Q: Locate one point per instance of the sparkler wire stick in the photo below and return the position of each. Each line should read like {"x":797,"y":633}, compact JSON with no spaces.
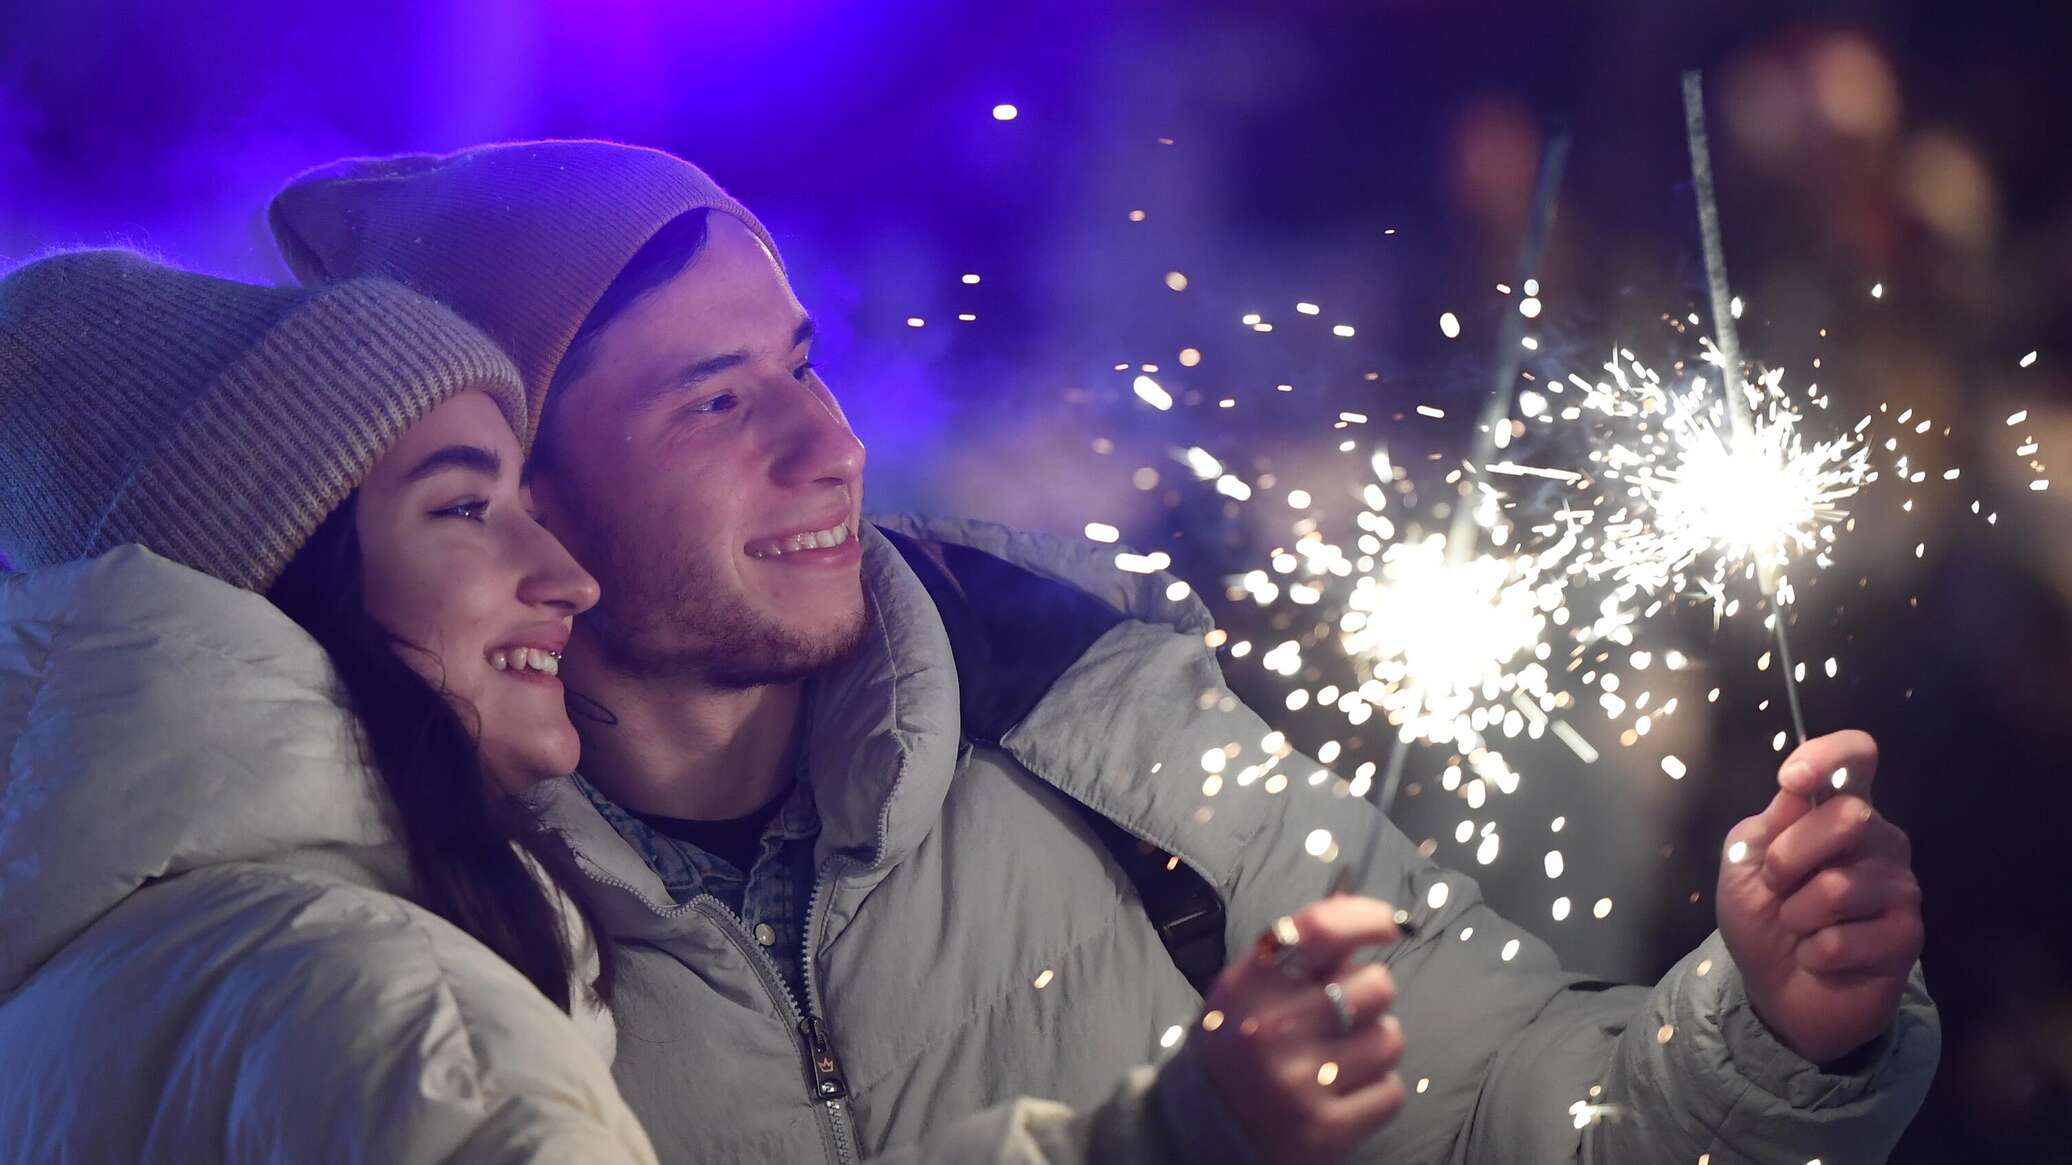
{"x":1462,"y":537}
{"x":1730,"y":349}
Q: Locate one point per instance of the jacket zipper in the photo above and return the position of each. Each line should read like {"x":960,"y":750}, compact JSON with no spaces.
{"x":829,"y":1084}
{"x":809,"y":1033}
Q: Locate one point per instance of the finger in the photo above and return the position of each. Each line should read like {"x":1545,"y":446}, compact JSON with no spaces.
{"x":1850,"y":893}
{"x":1886,"y":945}
{"x":1750,"y":838}
{"x":1333,"y":928}
{"x":1846,"y":760}
{"x":1363,"y":1111}
{"x":1366,"y":1055}
{"x":1842,"y":828}
{"x":1304,"y":1011}
{"x":1327,"y":932}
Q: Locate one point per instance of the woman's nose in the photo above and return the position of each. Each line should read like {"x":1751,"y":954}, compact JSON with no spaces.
{"x":552,"y":577}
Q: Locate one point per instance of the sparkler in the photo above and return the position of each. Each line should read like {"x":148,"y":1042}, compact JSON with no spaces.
{"x":1456,"y":601}
{"x":1744,"y":447}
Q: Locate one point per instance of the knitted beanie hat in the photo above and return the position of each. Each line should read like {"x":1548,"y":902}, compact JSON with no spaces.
{"x":215,"y":422}
{"x":521,"y":239}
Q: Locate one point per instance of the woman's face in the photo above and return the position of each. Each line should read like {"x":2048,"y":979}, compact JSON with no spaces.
{"x":455,"y":566}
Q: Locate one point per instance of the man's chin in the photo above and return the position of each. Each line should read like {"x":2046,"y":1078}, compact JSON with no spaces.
{"x":786,"y":652}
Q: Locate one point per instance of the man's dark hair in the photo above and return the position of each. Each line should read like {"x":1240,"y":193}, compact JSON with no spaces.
{"x":457,"y":828}
{"x":662,"y":258}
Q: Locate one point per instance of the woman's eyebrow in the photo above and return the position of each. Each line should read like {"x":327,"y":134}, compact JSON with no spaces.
{"x":473,"y":457}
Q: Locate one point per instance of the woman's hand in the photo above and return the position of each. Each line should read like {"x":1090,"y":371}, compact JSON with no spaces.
{"x":1297,"y":1038}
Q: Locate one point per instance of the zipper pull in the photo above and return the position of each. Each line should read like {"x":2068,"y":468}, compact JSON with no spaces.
{"x":820,"y":1053}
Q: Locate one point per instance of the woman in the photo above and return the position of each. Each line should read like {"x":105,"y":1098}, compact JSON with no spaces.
{"x":262,"y":891}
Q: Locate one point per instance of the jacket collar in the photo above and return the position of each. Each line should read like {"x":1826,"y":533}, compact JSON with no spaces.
{"x":883,"y":749}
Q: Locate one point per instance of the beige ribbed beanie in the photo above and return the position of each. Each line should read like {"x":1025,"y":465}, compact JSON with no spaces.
{"x":521,"y":239}
{"x":215,"y":422}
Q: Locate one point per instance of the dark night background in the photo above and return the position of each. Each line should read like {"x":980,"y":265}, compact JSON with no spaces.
{"x":1374,"y":159}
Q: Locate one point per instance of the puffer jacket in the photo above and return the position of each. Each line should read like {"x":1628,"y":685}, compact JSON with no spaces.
{"x":207,"y":952}
{"x":983,"y":983}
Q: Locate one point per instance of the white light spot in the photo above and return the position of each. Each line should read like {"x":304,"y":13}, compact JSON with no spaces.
{"x":1317,"y":843}
{"x":1436,"y":896}
{"x":1554,"y":863}
{"x":916,"y":322}
{"x":1560,"y":909}
{"x":1343,"y":331}
{"x":1877,"y":291}
{"x":1152,"y":393}
{"x":1737,"y":852}
{"x":1044,"y":979}
{"x":1529,"y":307}
{"x":1005,"y":112}
{"x":1171,"y":1037}
{"x":1102,"y":532}
{"x":970,"y":279}
{"x":2017,"y":418}
{"x":1510,"y":950}
{"x":1449,"y":326}
{"x":1603,"y":907}
{"x":1308,"y":309}
{"x":1298,"y":499}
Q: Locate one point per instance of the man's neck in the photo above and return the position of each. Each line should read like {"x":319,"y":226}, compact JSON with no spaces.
{"x":682,"y":748}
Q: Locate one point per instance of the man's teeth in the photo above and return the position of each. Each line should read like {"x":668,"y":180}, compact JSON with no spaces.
{"x":523,"y":658}
{"x":816,"y":540}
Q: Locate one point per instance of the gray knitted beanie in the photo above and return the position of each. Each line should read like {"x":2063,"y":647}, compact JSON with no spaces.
{"x":215,"y":422}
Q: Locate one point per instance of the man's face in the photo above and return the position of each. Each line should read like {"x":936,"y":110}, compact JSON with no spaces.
{"x":699,"y":468}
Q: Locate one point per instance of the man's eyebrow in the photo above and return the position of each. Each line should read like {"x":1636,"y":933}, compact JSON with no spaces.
{"x":472,"y":457}
{"x":692,"y":374}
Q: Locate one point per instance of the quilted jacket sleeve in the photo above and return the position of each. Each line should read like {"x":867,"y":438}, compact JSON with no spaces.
{"x":1513,"y":1060}
{"x":247,"y":1013}
{"x":1509,"y":1058}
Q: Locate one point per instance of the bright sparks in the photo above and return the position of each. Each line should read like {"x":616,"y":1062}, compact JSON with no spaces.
{"x":1702,"y":506}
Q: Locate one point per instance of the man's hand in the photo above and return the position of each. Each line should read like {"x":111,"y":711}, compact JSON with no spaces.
{"x":1309,"y":1079}
{"x":1818,"y":904}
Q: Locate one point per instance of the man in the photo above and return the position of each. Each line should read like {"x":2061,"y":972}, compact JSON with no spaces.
{"x":862,"y":798}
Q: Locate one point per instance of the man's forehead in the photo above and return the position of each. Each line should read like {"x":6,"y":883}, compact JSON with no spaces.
{"x":733,"y":297}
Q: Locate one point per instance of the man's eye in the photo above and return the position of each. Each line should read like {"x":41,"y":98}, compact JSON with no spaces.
{"x":722,"y":402}
{"x":805,"y":370}
{"x":475,"y":510}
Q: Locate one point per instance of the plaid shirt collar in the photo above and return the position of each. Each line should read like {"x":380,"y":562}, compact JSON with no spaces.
{"x":687,"y":870}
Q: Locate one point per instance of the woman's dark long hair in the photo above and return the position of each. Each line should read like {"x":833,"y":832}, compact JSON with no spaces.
{"x":457,"y":827}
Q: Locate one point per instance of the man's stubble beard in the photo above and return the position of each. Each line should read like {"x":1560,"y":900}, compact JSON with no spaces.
{"x":666,"y":615}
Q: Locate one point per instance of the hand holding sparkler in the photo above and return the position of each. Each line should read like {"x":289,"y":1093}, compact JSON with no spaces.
{"x":1297,"y":1037}
{"x":1818,"y":904}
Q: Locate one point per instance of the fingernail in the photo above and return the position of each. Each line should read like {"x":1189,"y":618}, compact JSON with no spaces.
{"x":1797,"y":772}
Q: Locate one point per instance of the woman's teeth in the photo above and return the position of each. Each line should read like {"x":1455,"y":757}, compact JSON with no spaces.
{"x":815,"y":540}
{"x":524,"y":658}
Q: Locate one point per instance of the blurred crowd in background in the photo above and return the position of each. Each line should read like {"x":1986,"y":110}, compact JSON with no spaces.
{"x":1001,"y":213}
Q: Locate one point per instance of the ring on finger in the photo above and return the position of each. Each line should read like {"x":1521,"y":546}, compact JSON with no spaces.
{"x":1279,"y":946}
{"x":1341,"y":1008}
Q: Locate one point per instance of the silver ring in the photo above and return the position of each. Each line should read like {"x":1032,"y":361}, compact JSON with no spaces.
{"x":1335,"y":996}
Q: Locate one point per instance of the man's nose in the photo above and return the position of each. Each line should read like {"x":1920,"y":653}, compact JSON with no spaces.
{"x":816,"y":443}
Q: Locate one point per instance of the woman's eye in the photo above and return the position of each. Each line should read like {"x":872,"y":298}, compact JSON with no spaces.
{"x":474,"y":511}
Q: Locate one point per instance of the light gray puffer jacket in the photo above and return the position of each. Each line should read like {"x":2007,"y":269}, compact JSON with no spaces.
{"x":207,"y":947}
{"x":984,"y":983}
